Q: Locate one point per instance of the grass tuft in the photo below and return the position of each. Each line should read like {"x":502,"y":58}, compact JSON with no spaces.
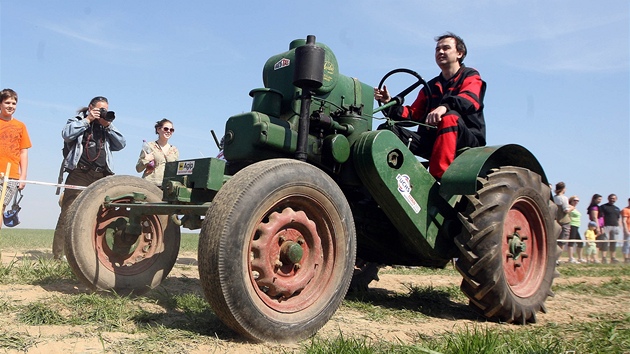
{"x":16,"y":342}
{"x":38,"y":271}
{"x":39,"y":314}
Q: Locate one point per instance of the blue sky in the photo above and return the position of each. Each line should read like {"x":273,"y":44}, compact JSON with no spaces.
{"x":557,"y":72}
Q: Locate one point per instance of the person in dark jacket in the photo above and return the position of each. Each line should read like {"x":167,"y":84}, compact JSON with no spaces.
{"x":92,"y":139}
{"x":455,"y":108}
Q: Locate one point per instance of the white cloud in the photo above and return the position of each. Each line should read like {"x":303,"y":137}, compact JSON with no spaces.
{"x":96,"y":37}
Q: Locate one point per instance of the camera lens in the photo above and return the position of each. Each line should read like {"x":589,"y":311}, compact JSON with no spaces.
{"x":110,"y":116}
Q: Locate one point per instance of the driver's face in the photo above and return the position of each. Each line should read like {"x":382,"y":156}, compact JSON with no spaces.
{"x":446,"y":52}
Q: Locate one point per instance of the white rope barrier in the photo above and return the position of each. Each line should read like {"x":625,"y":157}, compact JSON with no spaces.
{"x":596,"y":241}
{"x":59,"y":185}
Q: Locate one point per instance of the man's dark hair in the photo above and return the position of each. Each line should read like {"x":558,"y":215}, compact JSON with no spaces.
{"x":459,"y":44}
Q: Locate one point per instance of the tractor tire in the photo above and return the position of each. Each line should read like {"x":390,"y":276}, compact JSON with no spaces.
{"x":102,"y":256}
{"x":277,"y":251}
{"x":508,"y":245}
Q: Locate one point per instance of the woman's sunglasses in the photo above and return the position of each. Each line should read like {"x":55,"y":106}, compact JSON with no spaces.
{"x":166,"y":130}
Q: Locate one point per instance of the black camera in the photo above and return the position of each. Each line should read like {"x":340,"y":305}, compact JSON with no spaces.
{"x":107,"y":115}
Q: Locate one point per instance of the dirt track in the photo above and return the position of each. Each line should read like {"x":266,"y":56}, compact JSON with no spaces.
{"x":451,"y":314}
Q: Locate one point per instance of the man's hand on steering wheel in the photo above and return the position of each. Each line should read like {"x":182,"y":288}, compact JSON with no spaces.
{"x":382,"y":95}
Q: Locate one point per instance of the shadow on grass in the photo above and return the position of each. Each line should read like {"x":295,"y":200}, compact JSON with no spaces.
{"x":186,"y":261}
{"x":179,"y":304}
{"x":185,"y":309}
{"x":430,"y":301}
{"x":28,"y":255}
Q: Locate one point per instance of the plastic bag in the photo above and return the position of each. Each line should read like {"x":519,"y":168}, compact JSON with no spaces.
{"x":10,"y":217}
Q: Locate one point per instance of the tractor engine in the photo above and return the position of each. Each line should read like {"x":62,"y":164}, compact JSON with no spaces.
{"x":304,"y":78}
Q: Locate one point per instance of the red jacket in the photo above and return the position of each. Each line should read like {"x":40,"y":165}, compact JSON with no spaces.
{"x":463,"y":93}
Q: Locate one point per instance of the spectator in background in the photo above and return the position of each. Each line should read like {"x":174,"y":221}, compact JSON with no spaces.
{"x":574,"y":234}
{"x":625,"y":221}
{"x":590,"y":236}
{"x":92,"y":139}
{"x":595,"y":216}
{"x":14,"y":145}
{"x":156,"y":154}
{"x":564,"y":208}
{"x":612,"y":223}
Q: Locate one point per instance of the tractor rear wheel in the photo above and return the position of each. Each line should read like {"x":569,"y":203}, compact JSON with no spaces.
{"x":277,"y":251}
{"x":99,"y":251}
{"x":508,"y":245}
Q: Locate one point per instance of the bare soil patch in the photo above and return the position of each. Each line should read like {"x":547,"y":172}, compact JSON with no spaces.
{"x":565,"y":307}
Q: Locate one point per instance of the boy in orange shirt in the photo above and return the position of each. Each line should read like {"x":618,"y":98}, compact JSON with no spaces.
{"x":14,"y":142}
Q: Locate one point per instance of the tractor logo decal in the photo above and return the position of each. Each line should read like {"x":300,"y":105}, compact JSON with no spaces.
{"x":185,"y":167}
{"x":329,"y":71}
{"x":282,"y":63}
{"x":404,"y":187}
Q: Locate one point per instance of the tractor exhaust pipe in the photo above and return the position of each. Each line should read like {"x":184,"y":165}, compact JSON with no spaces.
{"x":308,"y":75}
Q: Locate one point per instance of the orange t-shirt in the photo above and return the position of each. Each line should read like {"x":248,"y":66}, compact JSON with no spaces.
{"x":13,"y":138}
{"x":625,"y":213}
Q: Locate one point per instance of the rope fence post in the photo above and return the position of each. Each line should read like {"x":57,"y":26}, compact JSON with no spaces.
{"x":5,"y":182}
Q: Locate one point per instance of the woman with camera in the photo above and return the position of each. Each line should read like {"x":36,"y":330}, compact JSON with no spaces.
{"x":89,"y":139}
{"x":156,"y":154}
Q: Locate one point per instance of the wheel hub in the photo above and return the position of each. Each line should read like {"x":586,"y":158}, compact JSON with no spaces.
{"x":285,"y":255}
{"x":524,"y":248}
{"x":121,"y":252}
{"x":517,"y":246}
{"x":291,"y":252}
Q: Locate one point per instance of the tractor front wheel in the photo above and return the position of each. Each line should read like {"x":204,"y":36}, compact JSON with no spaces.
{"x":508,"y":245}
{"x":277,"y":250}
{"x":102,"y":255}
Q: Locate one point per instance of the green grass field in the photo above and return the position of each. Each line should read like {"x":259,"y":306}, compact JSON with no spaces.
{"x":37,"y":239}
{"x":605,"y":333}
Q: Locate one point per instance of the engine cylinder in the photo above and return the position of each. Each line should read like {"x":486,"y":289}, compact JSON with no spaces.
{"x":309,"y":68}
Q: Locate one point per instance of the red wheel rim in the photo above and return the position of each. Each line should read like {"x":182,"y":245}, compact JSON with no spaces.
{"x":290,"y":285}
{"x":123,"y":254}
{"x":524,"y":273}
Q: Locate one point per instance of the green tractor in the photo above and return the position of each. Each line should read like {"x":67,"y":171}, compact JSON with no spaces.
{"x":308,"y":196}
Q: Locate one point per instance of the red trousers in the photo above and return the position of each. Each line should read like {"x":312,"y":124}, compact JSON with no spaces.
{"x":440,"y":145}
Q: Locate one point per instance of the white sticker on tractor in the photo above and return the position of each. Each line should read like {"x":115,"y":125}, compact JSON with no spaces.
{"x":185,"y":167}
{"x":282,"y":63}
{"x":404,"y":187}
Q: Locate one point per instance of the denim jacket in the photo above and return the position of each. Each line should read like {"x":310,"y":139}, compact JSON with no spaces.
{"x":73,"y":132}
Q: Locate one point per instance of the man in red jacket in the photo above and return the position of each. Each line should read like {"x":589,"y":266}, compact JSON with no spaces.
{"x":455,"y":108}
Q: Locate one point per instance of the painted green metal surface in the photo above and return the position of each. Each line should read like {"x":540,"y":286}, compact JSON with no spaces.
{"x":270,"y":129}
{"x":405,"y":190}
{"x":278,"y":73}
{"x":256,"y":136}
{"x":461,"y":176}
{"x":193,"y":181}
{"x":336,"y":146}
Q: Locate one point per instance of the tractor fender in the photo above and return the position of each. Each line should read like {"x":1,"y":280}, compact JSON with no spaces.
{"x":461,"y":176}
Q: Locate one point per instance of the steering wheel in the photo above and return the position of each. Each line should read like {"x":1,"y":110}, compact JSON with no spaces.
{"x":400,"y":98}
